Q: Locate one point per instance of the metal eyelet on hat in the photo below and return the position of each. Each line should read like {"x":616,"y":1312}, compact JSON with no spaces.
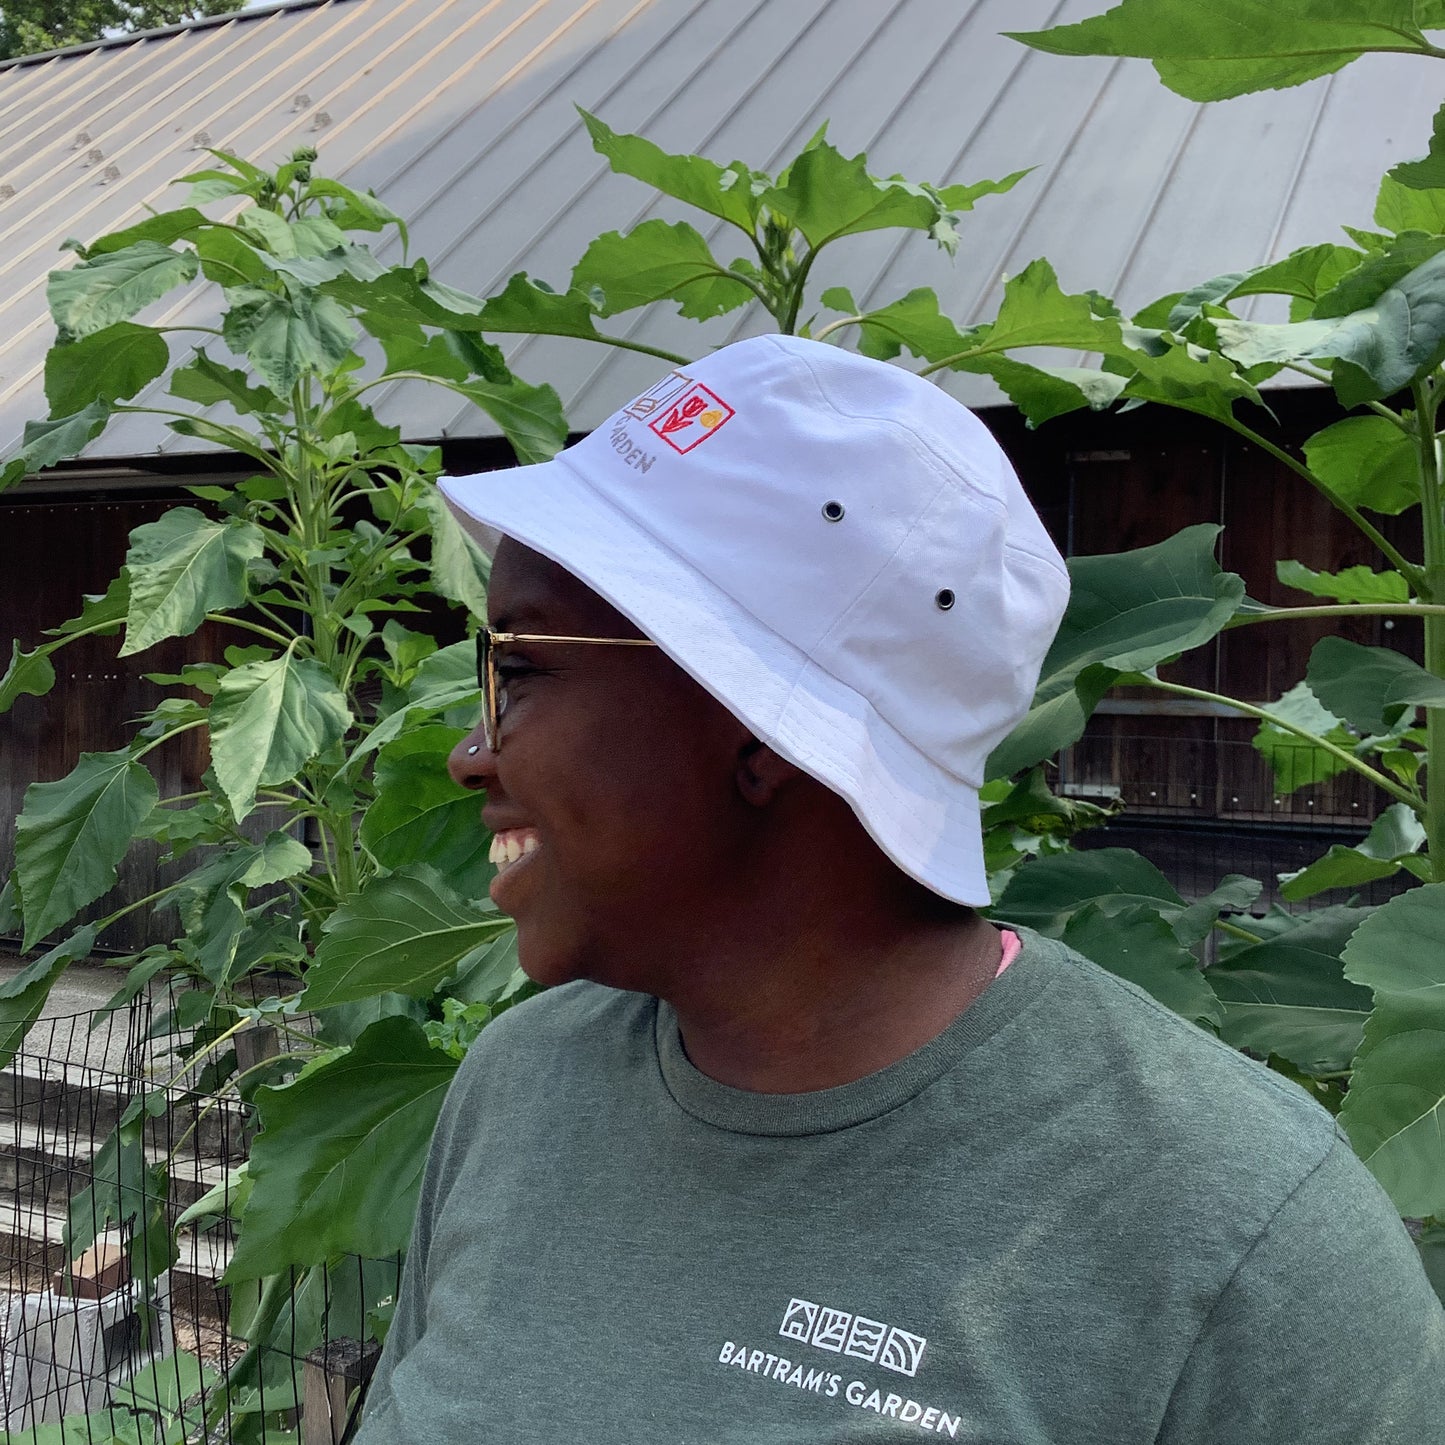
{"x":945,"y":598}
{"x":833,"y":511}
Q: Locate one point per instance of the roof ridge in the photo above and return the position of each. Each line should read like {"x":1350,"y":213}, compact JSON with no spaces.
{"x":205,"y":22}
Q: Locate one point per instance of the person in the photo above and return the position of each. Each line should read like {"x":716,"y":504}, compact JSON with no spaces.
{"x":796,"y":1146}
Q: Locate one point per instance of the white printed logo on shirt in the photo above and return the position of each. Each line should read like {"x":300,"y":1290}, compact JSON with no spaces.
{"x":843,"y":1333}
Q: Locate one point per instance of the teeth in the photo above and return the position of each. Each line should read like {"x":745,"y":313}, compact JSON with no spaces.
{"x":510,"y":846}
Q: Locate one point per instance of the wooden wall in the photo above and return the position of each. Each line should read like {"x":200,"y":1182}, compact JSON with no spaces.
{"x":57,"y":548}
{"x":1102,"y":484}
{"x":1110,"y":483}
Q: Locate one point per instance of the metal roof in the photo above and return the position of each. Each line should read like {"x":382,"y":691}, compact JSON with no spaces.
{"x":460,"y":114}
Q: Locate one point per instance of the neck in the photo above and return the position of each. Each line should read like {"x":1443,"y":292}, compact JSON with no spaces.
{"x":830,"y":988}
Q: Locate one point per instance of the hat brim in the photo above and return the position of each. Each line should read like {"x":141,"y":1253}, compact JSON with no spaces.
{"x":924,"y":818}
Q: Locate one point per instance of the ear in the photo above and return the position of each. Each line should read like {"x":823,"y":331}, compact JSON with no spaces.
{"x":762,"y":774}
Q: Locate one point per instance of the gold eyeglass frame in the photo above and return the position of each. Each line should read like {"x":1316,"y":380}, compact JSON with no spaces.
{"x":487,"y":641}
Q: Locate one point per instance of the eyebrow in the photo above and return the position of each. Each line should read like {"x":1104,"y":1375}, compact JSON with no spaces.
{"x":525,"y":618}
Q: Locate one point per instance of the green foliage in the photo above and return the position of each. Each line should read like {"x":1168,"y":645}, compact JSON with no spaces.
{"x":1231,"y":47}
{"x":1397,"y":1091}
{"x":325,"y":707}
{"x":30,"y":26}
{"x":1287,"y":996}
{"x":328,"y":1181}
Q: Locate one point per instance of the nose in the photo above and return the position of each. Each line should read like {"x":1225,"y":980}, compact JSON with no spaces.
{"x":472,"y":764}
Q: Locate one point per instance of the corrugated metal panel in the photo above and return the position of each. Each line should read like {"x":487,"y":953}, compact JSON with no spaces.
{"x":459,"y":113}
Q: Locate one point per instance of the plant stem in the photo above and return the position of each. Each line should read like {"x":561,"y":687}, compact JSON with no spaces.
{"x":1344,"y":609}
{"x":230,"y":621}
{"x":139,"y":902}
{"x":1413,"y":574}
{"x":833,"y":326}
{"x":1427,"y":402}
{"x":1410,"y":798}
{"x":151,"y":746}
{"x":1235,"y":931}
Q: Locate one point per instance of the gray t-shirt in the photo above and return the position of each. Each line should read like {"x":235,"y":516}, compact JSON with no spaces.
{"x":1070,"y":1219}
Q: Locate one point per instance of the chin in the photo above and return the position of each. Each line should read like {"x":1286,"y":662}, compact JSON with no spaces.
{"x":550,"y":962}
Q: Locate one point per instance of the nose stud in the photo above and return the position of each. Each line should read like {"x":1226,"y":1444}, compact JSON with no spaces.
{"x":472,"y":751}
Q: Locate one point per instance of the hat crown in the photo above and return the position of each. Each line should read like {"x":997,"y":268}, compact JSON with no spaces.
{"x":862,"y":515}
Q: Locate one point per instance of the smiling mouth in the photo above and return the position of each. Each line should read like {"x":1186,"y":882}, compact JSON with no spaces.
{"x":511,"y":846}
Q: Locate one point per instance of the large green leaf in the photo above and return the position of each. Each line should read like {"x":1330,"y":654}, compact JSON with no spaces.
{"x":405,"y":933}
{"x":1369,"y":687}
{"x":1428,"y":173}
{"x":1128,"y":612}
{"x":287,"y":336}
{"x":1352,"y":584}
{"x":1394,"y":839}
{"x":1396,"y":1103}
{"x":1380,"y":268}
{"x":268,"y":719}
{"x":459,"y":567}
{"x":113,"y":285}
{"x":328,"y":1181}
{"x":658,"y":261}
{"x":1036,"y":311}
{"x":1368,"y":461}
{"x":216,"y":895}
{"x":420,"y":815}
{"x":1232,"y":47}
{"x":1305,"y":274}
{"x":168,"y":227}
{"x":72,"y":834}
{"x":29,"y":674}
{"x":524,"y":305}
{"x":1044,"y":392}
{"x":1299,"y":762}
{"x":1399,"y":950}
{"x":1191,"y":379}
{"x":445,"y":679}
{"x":1394,"y":1111}
{"x":60,"y":438}
{"x":530,"y":416}
{"x":101,"y":613}
{"x":207,"y":382}
{"x":1288,"y":994}
{"x":107,"y":365}
{"x":913,"y":321}
{"x":826,"y":195}
{"x":182,"y":567}
{"x":1138,"y":945}
{"x":1045,"y":894}
{"x":722,"y":191}
{"x":1377,"y":350}
{"x":1406,"y":208}
{"x":23,"y":997}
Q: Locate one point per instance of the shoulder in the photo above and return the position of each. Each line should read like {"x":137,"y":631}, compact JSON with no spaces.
{"x":1183,"y":1111}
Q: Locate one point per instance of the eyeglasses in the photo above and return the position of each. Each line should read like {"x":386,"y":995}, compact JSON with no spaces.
{"x":494,"y":698}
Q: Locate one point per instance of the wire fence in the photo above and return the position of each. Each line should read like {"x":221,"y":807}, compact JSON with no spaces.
{"x":116,"y":1200}
{"x":1201,"y":807}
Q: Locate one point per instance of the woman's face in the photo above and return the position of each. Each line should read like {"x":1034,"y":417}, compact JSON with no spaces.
{"x":614,"y":782}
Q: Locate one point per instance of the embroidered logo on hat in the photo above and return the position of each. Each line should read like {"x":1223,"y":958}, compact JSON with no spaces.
{"x":683,"y":412}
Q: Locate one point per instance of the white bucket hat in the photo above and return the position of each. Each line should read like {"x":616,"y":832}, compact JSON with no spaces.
{"x":835,"y":549}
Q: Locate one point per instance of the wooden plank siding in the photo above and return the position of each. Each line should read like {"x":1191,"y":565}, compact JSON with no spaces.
{"x":1131,"y":480}
{"x":55,"y":549}
{"x":1101,"y":483}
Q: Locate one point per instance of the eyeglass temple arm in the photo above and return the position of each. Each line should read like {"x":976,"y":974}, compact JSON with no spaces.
{"x":552,"y":637}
